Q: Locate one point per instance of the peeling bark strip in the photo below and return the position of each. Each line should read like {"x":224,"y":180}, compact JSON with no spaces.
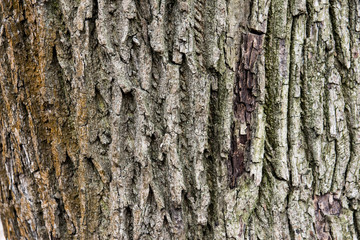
{"x":244,"y":103}
{"x":325,"y":205}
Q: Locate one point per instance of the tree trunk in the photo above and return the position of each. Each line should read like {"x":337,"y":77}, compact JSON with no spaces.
{"x":180,"y":119}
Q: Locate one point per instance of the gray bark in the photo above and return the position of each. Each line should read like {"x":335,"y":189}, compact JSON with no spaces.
{"x":180,"y":119}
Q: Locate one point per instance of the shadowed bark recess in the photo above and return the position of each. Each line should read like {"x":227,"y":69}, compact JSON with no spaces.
{"x":180,"y":119}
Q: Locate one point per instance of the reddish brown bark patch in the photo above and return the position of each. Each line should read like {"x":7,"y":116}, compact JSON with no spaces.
{"x":244,"y":104}
{"x":325,"y":205}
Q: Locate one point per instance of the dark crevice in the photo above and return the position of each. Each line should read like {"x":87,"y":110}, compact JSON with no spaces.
{"x":291,"y":230}
{"x":54,"y":60}
{"x":62,"y":226}
{"x":169,"y":18}
{"x":95,"y":10}
{"x":129,"y":218}
{"x":356,"y":224}
{"x":212,"y":155}
{"x":255,"y":31}
{"x":151,"y":200}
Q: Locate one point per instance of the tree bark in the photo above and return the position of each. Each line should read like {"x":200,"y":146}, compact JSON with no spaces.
{"x":180,"y":119}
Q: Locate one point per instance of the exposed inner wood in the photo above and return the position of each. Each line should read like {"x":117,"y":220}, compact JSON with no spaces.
{"x":244,"y":104}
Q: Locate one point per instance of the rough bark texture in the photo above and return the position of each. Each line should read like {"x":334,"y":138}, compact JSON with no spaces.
{"x":180,"y":119}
